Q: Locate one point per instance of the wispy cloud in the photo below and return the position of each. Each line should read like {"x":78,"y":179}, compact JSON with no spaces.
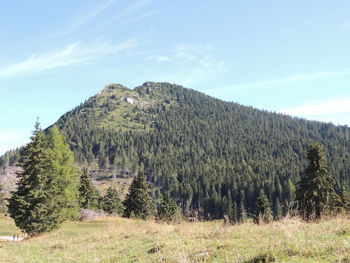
{"x":288,"y":79}
{"x":345,"y":26}
{"x":85,"y":18}
{"x":71,"y":55}
{"x":128,"y":15}
{"x":136,"y":18}
{"x":189,"y":64}
{"x":338,"y":106}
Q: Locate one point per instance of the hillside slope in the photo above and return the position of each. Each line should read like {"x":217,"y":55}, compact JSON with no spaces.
{"x":128,"y":240}
{"x":203,"y":150}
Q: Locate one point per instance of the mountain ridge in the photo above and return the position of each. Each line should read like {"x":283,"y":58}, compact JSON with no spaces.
{"x":203,"y":150}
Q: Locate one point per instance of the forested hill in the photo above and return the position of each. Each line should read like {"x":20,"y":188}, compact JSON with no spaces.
{"x":204,"y":150}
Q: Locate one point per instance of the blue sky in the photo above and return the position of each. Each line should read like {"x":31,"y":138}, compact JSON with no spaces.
{"x":287,"y":56}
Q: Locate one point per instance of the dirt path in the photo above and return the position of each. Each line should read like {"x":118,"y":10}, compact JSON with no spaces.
{"x":14,"y":239}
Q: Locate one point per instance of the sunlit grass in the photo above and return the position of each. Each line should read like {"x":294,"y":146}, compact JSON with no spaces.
{"x":127,"y":240}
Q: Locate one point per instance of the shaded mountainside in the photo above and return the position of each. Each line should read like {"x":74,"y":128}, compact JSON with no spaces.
{"x":203,"y":150}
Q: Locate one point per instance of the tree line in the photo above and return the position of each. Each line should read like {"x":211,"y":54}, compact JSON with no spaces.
{"x":51,"y":190}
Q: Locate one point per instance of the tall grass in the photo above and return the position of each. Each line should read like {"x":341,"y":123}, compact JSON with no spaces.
{"x":128,"y":240}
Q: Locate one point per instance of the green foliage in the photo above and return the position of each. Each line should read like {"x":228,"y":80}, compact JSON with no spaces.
{"x":47,"y":188}
{"x":88,"y":195}
{"x":263,"y":209}
{"x":111,"y":203}
{"x":168,"y":211}
{"x":138,"y":202}
{"x":277,"y":210}
{"x":315,"y":192}
{"x":3,"y":208}
{"x":199,"y":148}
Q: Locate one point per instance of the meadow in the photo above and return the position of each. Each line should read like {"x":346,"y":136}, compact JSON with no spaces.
{"x":127,"y":240}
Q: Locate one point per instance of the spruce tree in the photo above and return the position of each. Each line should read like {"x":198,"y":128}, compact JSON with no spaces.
{"x":277,"y":210}
{"x":111,"y":203}
{"x":315,"y":190}
{"x":168,"y":211}
{"x":242,"y":214}
{"x":88,"y":195}
{"x":138,"y":202}
{"x":46,"y":190}
{"x":263,"y":209}
{"x":231,"y":210}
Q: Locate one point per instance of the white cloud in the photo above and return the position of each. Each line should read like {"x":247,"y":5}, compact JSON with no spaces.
{"x":189,"y":64}
{"x":71,"y":55}
{"x":338,"y":106}
{"x":128,"y":15}
{"x":291,"y":78}
{"x":85,"y":18}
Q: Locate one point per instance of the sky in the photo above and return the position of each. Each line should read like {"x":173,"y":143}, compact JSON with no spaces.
{"x":288,"y":56}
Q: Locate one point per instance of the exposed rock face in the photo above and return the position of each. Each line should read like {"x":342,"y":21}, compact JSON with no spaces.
{"x":8,"y":178}
{"x":130,"y":100}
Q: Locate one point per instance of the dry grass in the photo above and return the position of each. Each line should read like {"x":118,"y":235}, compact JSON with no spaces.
{"x":126,"y":240}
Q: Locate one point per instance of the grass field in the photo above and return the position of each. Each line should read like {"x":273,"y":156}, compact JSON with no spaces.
{"x":126,"y":240}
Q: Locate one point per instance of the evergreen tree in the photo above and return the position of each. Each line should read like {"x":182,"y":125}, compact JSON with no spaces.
{"x":315,"y":190}
{"x":168,"y":211}
{"x":138,"y":203}
{"x":263,"y":209}
{"x":111,"y":203}
{"x":277,"y":210}
{"x":2,"y":201}
{"x":242,"y":214}
{"x":46,"y":190}
{"x":88,"y":195}
{"x":231,"y":210}
{"x":344,"y":200}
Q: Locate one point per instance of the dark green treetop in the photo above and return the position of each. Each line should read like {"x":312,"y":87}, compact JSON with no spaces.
{"x":138,"y":202}
{"x":88,"y":195}
{"x":168,"y":211}
{"x":315,"y":191}
{"x":111,"y":203}
{"x":46,"y":192}
{"x":263,"y":209}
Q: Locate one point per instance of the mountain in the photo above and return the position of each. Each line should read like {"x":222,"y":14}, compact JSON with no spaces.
{"x":203,"y":150}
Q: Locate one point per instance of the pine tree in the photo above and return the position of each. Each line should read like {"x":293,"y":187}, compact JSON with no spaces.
{"x":242,"y":214}
{"x":88,"y":195}
{"x":2,"y":201}
{"x":111,"y":203}
{"x":46,"y":192}
{"x":138,"y":203}
{"x":263,"y":209}
{"x":168,"y":211}
{"x":277,"y":210}
{"x":231,"y":210}
{"x":315,"y":190}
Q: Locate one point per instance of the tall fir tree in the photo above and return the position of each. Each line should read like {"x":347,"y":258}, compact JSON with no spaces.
{"x":66,"y":174}
{"x":46,"y":190}
{"x":111,"y":203}
{"x":315,"y":190}
{"x":263,"y":209}
{"x":138,"y":202}
{"x":88,"y":195}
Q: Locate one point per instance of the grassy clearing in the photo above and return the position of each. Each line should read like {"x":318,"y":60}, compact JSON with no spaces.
{"x":125,"y":240}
